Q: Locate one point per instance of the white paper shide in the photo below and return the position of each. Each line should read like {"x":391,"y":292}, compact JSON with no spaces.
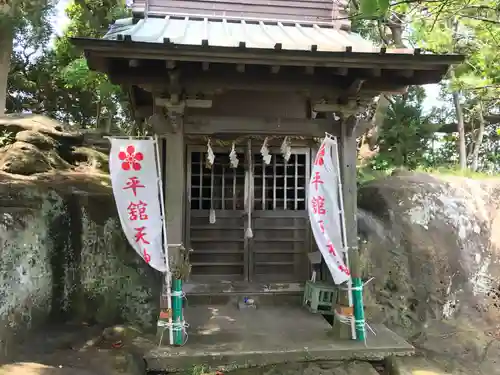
{"x":324,"y":210}
{"x":134,"y":178}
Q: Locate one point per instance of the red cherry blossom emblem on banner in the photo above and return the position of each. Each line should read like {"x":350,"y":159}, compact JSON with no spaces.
{"x":130,"y":159}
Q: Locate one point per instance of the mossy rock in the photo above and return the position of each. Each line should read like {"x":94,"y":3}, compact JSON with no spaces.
{"x":27,"y":159}
{"x":23,"y":158}
{"x":120,"y":333}
{"x":56,"y":161}
{"x":93,"y":158}
{"x":42,"y":141}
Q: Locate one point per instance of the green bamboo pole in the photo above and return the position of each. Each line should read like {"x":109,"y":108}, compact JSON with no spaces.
{"x":177,"y":318}
{"x":359,"y":314}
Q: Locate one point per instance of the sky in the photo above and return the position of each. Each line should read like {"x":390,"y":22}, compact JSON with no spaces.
{"x":433,"y":98}
{"x":60,"y":20}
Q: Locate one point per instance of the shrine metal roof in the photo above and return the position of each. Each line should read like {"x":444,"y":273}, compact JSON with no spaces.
{"x":239,"y":33}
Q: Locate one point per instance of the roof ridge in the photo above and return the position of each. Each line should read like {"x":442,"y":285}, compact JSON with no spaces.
{"x":191,"y":16}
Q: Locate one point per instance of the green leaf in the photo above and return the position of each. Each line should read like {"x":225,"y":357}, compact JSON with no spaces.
{"x":369,"y":7}
{"x":383,"y":6}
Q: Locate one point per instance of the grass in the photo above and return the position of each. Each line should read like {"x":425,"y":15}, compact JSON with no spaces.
{"x":366,"y":175}
{"x":455,"y":171}
{"x":199,"y":370}
{"x":6,"y":138}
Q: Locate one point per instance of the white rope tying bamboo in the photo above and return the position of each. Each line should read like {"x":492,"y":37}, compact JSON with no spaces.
{"x":345,"y":319}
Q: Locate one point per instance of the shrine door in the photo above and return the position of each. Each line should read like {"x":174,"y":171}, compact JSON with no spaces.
{"x":218,"y":221}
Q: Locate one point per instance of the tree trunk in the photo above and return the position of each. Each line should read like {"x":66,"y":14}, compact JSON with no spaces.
{"x":462,"y":152}
{"x":460,"y":126}
{"x":6,"y":43}
{"x":479,"y":140}
{"x":378,"y":120}
{"x":461,"y":132}
{"x":98,"y":115}
{"x":109,"y":122}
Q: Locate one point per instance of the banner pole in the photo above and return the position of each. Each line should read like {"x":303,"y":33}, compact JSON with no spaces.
{"x":344,"y":237}
{"x":168,"y":274}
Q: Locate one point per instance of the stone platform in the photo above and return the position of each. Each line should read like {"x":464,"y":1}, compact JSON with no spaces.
{"x":223,"y":336}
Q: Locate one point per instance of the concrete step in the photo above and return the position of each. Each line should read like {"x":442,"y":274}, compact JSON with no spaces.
{"x":233,"y":293}
{"x":235,"y":298}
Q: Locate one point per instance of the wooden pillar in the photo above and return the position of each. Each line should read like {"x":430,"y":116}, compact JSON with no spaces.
{"x":174,"y":167}
{"x":348,"y":156}
{"x":175,"y":184}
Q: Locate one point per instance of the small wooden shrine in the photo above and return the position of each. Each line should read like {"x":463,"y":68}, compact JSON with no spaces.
{"x":250,"y":97}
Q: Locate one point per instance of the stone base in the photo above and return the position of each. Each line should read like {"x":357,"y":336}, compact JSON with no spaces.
{"x":223,"y":336}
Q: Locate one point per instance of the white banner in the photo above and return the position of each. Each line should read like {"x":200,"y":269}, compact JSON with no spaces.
{"x":134,"y":178}
{"x":324,"y":211}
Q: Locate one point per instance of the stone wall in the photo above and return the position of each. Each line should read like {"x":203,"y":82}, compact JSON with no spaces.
{"x":63,"y":254}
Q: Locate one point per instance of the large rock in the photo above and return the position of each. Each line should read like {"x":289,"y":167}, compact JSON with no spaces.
{"x":20,"y":122}
{"x":64,"y":257}
{"x":432,"y":244}
{"x":40,"y":140}
{"x":93,"y":158}
{"x":27,"y":159}
{"x":32,"y":144}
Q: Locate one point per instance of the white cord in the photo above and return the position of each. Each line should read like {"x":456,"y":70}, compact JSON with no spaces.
{"x":176,"y":326}
{"x":180,"y":293}
{"x":344,"y":319}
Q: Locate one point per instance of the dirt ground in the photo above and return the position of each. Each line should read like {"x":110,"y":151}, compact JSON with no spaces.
{"x":72,"y":350}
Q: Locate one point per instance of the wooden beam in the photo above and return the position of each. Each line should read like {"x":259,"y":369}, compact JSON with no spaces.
{"x":342,"y":71}
{"x":196,"y":81}
{"x":207,"y":125}
{"x":133,"y":63}
{"x":406,"y":73}
{"x":270,"y":57}
{"x":198,"y":103}
{"x":211,"y":81}
{"x":355,"y":87}
{"x":152,"y":71}
{"x":332,"y":107}
{"x":100,"y":64}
